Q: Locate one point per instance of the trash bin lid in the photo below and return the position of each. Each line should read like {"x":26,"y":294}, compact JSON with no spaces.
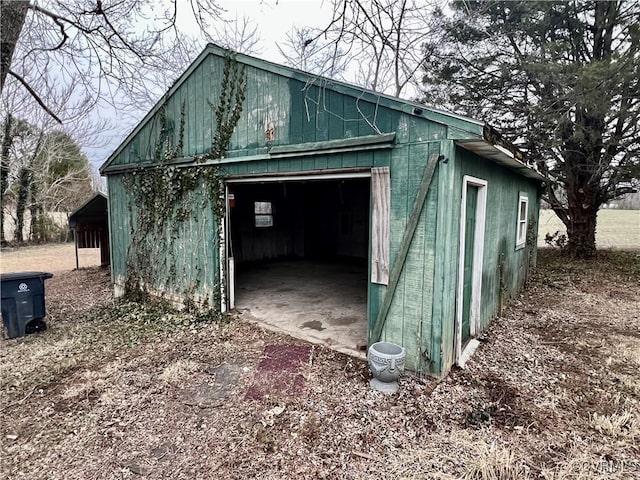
{"x":6,"y":277}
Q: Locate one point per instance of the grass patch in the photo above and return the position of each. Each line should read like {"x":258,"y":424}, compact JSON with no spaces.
{"x":175,"y":373}
{"x":626,"y":424}
{"x":607,"y":265}
{"x":615,"y":229}
{"x":495,"y":463}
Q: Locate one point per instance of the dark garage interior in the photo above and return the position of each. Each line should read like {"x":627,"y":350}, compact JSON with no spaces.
{"x":300,"y":250}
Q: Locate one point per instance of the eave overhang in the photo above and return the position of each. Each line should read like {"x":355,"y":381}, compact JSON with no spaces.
{"x":500,"y":155}
{"x":493,"y":146}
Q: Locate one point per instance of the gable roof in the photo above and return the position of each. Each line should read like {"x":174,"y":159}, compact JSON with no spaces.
{"x":466,"y":127}
{"x":94,"y":210}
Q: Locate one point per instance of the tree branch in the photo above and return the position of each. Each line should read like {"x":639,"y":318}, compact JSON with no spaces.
{"x":35,"y":95}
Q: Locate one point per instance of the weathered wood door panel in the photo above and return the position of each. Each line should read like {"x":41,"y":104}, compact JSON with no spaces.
{"x":380,"y":224}
{"x":407,"y":237}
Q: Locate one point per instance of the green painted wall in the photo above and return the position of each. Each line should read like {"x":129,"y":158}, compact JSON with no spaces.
{"x":504,"y":266}
{"x":445,"y":273}
{"x":422,"y":312}
{"x":299,"y":112}
{"x":191,"y":264}
{"x":409,"y":318}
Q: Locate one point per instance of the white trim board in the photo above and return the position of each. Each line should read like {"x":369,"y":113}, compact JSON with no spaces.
{"x":293,"y":178}
{"x":469,"y":349}
{"x":223,"y":249}
{"x":380,"y":224}
{"x":522,"y":241}
{"x":478,"y":251}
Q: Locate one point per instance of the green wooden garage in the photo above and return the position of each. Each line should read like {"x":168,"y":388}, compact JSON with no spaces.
{"x":349,"y":214}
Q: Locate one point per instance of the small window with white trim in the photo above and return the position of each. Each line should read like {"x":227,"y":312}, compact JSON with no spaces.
{"x":263,"y":214}
{"x":523,"y":211}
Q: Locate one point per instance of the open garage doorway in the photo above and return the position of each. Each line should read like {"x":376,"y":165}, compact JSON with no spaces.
{"x":300,"y":249}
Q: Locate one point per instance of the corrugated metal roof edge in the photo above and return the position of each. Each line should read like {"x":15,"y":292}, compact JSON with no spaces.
{"x":500,"y":157}
{"x":406,"y":106}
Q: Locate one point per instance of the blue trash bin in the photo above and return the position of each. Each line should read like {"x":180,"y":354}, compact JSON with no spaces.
{"x":23,"y":307}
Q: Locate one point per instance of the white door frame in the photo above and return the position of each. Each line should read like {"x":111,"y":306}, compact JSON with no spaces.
{"x":478,"y":250}
{"x":223,"y":249}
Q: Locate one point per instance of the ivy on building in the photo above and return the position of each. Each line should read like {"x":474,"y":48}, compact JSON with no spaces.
{"x":166,"y":197}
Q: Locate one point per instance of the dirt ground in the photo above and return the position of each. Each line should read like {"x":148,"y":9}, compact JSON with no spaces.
{"x":122,"y":390}
{"x":56,"y":257}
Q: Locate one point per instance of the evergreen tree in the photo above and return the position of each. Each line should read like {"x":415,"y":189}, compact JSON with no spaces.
{"x":561,"y":81}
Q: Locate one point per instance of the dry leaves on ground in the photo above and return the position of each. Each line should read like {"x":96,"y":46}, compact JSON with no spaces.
{"x":108,"y":392}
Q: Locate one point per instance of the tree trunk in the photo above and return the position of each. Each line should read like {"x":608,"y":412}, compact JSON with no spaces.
{"x":584,"y":195}
{"x":24,"y":179}
{"x":12,"y":16}
{"x":36,"y":229}
{"x":581,"y":232}
{"x":7,"y":140}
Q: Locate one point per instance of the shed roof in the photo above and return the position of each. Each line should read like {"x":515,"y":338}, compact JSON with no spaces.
{"x":94,"y":211}
{"x":467,"y":128}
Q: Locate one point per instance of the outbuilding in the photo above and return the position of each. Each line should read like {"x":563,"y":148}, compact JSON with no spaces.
{"x":90,"y":226}
{"x":307,"y":202}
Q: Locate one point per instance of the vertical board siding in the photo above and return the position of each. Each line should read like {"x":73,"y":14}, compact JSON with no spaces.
{"x":191,"y":261}
{"x":309,"y":114}
{"x":409,"y":316}
{"x":280,"y":110}
{"x":198,"y":110}
{"x":335,"y":115}
{"x":422,"y":310}
{"x":190,"y":114}
{"x":445,"y":268}
{"x":426,"y":298}
{"x":418,"y":260}
{"x":299,"y":111}
{"x":296,"y":120}
{"x":119,"y":228}
{"x":322,"y":118}
{"x":503,"y":271}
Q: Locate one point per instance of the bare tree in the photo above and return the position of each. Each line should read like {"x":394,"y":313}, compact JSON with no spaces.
{"x":47,"y":172}
{"x":240,"y":35}
{"x":7,"y":141}
{"x":43,"y":167}
{"x":378,"y":44}
{"x":12,"y":16}
{"x":109,"y":48}
{"x":308,"y":49}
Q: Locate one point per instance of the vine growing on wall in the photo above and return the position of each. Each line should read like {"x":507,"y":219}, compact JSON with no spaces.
{"x":229,"y":108}
{"x":164,"y":196}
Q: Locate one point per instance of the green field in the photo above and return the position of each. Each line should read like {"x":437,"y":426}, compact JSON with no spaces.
{"x":616,"y":228}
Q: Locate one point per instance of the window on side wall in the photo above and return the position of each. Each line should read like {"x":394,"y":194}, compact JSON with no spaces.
{"x":263,"y":214}
{"x":521,"y":228}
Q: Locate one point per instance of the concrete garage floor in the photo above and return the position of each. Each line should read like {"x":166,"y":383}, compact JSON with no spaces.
{"x":323,"y":303}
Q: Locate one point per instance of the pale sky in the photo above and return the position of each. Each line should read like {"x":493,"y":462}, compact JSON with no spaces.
{"x":275,"y":18}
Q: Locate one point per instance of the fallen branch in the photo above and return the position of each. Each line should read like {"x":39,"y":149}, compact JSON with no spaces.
{"x":363,"y":455}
